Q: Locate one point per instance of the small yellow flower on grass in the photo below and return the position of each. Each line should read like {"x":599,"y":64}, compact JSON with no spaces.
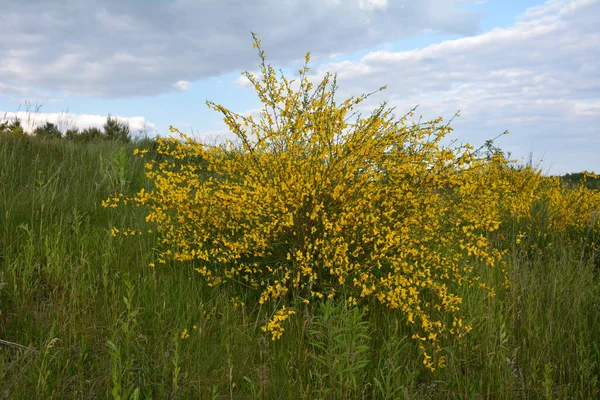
{"x":184,"y":334}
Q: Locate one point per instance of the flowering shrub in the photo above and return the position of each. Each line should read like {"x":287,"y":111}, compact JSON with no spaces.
{"x":302,"y":208}
{"x":539,"y":208}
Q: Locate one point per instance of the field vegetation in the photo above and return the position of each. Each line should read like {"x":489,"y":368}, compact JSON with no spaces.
{"x":312,"y":258}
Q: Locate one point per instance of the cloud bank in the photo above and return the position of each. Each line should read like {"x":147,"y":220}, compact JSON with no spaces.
{"x":118,"y":49}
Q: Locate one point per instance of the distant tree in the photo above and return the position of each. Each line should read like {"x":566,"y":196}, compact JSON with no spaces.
{"x":90,"y":134}
{"x":574,"y":179}
{"x":116,"y":130}
{"x":48,"y":131}
{"x":72,"y":134}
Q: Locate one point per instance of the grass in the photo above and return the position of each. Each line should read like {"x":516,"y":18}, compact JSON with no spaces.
{"x":82,"y":315}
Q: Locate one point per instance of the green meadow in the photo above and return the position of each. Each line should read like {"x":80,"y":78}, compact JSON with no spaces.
{"x":84,"y":316}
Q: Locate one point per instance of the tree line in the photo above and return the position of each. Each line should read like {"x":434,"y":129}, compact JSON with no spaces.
{"x":112,"y":130}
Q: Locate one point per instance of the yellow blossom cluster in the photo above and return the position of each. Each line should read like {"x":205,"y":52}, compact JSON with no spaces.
{"x":125,"y":232}
{"x":274,"y":325}
{"x":139,"y":152}
{"x":538,"y":206}
{"x":303,"y":206}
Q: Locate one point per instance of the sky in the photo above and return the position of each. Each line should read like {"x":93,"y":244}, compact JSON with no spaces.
{"x":529,"y":67}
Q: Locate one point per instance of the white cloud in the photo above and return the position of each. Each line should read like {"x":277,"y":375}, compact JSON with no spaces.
{"x":587,"y":109}
{"x":215,"y":137}
{"x":182,"y":85}
{"x":372,"y":4}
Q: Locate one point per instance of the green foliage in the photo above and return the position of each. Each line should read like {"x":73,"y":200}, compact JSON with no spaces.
{"x":92,"y":134}
{"x":339,"y":336}
{"x":48,"y":131}
{"x":116,"y":130}
{"x":72,"y":134}
{"x":123,"y":349}
{"x":87,"y":135}
{"x":114,"y":169}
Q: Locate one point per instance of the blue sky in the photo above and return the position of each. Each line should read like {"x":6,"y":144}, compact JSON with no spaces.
{"x":524,"y":66}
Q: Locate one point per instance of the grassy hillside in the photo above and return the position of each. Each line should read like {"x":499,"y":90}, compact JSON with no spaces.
{"x":82,"y":315}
